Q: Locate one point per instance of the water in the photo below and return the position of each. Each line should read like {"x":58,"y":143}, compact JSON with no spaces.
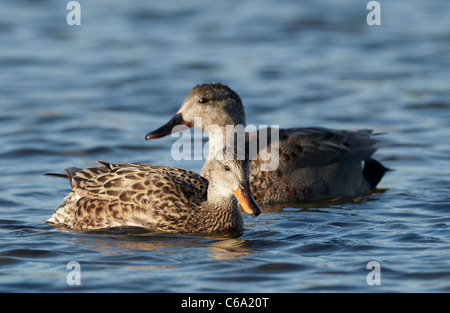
{"x":72,"y":95}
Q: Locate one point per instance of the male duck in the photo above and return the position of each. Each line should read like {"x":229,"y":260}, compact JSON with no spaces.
{"x":313,"y":163}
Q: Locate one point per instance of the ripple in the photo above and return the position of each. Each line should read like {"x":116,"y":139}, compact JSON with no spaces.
{"x":429,"y":106}
{"x":28,"y":253}
{"x":8,"y":204}
{"x":8,"y":261}
{"x":26,"y":152}
{"x":314,"y":248}
{"x":271,"y":268}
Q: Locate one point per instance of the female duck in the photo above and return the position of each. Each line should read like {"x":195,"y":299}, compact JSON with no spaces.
{"x":158,"y":197}
{"x":312,"y":163}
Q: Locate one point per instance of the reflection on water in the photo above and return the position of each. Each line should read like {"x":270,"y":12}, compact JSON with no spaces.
{"x":115,"y":241}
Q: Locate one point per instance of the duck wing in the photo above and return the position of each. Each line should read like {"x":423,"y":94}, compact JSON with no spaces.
{"x":316,"y":147}
{"x":130,"y":194}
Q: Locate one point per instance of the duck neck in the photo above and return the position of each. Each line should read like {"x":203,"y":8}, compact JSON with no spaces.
{"x":221,"y":197}
{"x":221,"y":136}
{"x":220,"y":214}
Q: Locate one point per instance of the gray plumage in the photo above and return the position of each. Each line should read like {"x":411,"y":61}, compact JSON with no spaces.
{"x":313,"y":163}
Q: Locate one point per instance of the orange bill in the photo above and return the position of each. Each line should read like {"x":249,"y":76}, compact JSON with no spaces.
{"x":245,"y":199}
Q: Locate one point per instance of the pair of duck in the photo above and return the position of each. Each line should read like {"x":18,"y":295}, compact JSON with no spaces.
{"x":313,"y":164}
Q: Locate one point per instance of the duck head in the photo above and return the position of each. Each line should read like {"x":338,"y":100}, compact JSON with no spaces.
{"x":229,"y":177}
{"x":214,"y":103}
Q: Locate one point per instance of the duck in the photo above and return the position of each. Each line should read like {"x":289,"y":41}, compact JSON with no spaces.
{"x":159,"y":198}
{"x":312,"y":164}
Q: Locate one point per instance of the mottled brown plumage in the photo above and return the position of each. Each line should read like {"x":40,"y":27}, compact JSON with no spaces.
{"x":313,"y":163}
{"x":156,"y":197}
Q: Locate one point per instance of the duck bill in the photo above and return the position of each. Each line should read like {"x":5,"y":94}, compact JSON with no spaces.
{"x":245,"y":199}
{"x":167,"y":128}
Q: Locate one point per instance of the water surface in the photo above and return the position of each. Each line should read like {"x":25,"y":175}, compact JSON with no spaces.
{"x":72,"y":95}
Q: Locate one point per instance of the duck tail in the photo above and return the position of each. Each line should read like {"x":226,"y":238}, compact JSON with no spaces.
{"x":373,"y":172}
{"x":57,"y":175}
{"x":71,"y":172}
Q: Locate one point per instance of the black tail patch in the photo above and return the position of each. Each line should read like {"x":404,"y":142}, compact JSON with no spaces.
{"x":373,"y":172}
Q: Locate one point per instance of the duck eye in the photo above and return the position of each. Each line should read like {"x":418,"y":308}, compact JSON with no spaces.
{"x":203,"y":100}
{"x":227,"y":168}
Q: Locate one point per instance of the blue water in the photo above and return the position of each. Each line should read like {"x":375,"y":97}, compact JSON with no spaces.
{"x":72,"y":95}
